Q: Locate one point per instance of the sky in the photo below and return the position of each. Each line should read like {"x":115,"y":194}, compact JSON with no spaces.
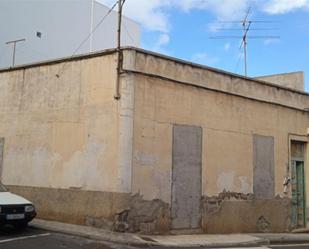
{"x":185,"y":29}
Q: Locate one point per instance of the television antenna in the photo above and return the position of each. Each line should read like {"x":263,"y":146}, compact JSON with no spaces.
{"x":14,"y":42}
{"x":246,"y":27}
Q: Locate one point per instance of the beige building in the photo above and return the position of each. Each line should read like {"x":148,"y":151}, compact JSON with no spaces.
{"x":185,"y":147}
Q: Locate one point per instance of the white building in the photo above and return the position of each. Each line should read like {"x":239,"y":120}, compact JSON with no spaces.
{"x":54,"y":29}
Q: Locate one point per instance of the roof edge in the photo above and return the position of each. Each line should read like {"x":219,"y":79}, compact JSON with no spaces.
{"x":114,"y":50}
{"x":60,"y":60}
{"x":216,"y":70}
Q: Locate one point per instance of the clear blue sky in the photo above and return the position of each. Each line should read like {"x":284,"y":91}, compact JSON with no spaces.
{"x":182,"y":28}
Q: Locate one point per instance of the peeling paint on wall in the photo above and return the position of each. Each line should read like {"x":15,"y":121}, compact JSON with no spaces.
{"x":244,"y":184}
{"x":147,"y":217}
{"x":226,"y":181}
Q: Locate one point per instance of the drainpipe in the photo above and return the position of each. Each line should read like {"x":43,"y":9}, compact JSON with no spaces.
{"x":119,"y":52}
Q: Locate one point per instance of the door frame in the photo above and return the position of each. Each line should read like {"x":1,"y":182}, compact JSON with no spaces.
{"x":294,"y":171}
{"x":299,"y":138}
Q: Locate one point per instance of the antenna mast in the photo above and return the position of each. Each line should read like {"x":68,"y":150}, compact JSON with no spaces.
{"x":246,"y":27}
{"x":244,"y":39}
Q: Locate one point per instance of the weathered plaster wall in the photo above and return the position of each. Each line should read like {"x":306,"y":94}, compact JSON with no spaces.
{"x":67,"y":131}
{"x":228,"y":124}
{"x":230,"y":113}
{"x":67,"y":135}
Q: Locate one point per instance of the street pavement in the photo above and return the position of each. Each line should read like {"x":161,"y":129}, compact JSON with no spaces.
{"x":33,"y":238}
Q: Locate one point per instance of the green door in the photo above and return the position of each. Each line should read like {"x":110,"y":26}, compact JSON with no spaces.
{"x":298,"y":195}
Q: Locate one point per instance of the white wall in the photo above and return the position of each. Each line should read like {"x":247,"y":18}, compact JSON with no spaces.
{"x":64,"y":25}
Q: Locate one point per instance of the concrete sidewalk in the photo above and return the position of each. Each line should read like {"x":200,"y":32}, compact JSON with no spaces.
{"x":209,"y":241}
{"x":196,"y":240}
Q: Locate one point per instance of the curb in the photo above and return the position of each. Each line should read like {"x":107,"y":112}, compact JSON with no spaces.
{"x":284,"y":238}
{"x":92,"y":233}
{"x":218,"y":245}
{"x":257,"y":242}
{"x":133,"y":239}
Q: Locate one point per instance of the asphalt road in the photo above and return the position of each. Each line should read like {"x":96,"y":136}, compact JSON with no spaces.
{"x":31,"y":238}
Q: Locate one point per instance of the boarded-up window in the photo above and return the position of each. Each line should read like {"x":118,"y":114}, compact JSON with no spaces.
{"x":186,"y":176}
{"x":263,"y":167}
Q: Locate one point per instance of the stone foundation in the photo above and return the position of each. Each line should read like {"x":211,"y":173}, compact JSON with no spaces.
{"x":239,"y":213}
{"x":113,"y":211}
{"x":228,"y":212}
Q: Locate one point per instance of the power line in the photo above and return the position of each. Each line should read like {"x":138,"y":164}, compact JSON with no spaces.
{"x":95,"y":28}
{"x":90,"y":34}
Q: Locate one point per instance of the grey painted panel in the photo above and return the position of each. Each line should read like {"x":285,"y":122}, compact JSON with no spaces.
{"x":1,"y":156}
{"x":186,"y":177}
{"x":263,"y":167}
